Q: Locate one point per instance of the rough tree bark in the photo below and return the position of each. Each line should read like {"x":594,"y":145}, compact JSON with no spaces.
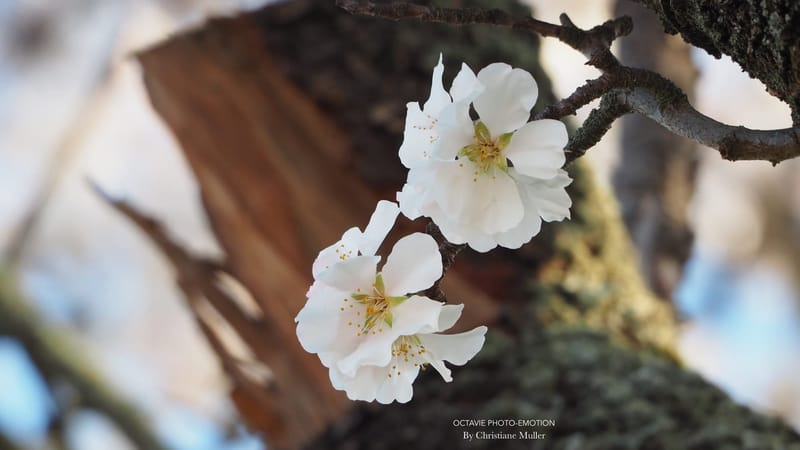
{"x":291,"y":118}
{"x":762,"y":36}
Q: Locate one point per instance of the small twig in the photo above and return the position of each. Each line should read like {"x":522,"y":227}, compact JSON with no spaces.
{"x":583,"y":95}
{"x":595,"y":127}
{"x":594,"y":43}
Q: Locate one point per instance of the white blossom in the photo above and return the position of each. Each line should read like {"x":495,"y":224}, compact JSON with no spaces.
{"x":410,"y":354}
{"x":354,"y":312}
{"x":490,"y":181}
{"x":354,"y":242}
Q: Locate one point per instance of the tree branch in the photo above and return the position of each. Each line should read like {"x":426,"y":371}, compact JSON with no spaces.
{"x":593,"y":43}
{"x":595,"y":127}
{"x":639,"y":90}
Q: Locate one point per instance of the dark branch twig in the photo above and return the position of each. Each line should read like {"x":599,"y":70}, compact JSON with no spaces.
{"x":595,"y":127}
{"x":594,"y":43}
{"x":636,"y":90}
{"x":583,"y":95}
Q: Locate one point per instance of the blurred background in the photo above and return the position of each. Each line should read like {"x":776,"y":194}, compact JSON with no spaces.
{"x":73,"y":108}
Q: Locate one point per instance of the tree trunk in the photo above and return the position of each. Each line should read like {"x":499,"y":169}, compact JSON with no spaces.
{"x":654,"y":179}
{"x":291,"y":118}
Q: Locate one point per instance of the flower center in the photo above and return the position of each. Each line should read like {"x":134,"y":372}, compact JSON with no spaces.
{"x":377,"y":306}
{"x":407,"y":350}
{"x":486,"y":152}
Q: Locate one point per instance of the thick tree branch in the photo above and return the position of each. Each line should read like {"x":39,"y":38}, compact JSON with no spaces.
{"x":733,"y":142}
{"x":638,"y":90}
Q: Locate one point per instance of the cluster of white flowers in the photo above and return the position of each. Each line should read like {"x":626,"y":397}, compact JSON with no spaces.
{"x":484,"y":182}
{"x":368,"y":326}
{"x":459,"y":170}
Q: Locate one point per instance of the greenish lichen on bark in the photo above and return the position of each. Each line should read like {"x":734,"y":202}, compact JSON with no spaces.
{"x":763,"y":36}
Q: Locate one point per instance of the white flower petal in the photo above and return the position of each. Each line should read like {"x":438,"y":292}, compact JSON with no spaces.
{"x":459,"y":192}
{"x":414,"y":265}
{"x":372,"y":350}
{"x":466,"y":85}
{"x":504,"y":209}
{"x":380,"y":224}
{"x":415,"y":315}
{"x":394,"y":388}
{"x":549,"y":196}
{"x":438,"y":364}
{"x":449,"y":316}
{"x":316,"y":322}
{"x":418,"y":314}
{"x":480,"y":241}
{"x":418,"y":137}
{"x":537,"y":149}
{"x":420,"y":134}
{"x":450,"y":230}
{"x":454,"y":348}
{"x":363,"y":386}
{"x":455,"y":130}
{"x":461,"y":233}
{"x":338,"y":252}
{"x":531,"y":223}
{"x":554,"y":204}
{"x":506,"y":102}
{"x":523,"y":233}
{"x":414,"y":199}
{"x":439,"y":98}
{"x":329,"y":359}
{"x":357,"y":272}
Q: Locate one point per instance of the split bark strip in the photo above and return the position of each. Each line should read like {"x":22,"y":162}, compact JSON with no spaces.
{"x":278,"y":416}
{"x":642,"y":91}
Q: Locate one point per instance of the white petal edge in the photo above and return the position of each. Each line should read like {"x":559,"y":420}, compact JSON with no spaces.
{"x":506,"y":102}
{"x":413,"y":265}
{"x":466,"y":85}
{"x":380,"y":223}
{"x":439,"y":98}
{"x":455,"y":348}
{"x":342,"y":249}
{"x":537,"y":149}
{"x":357,"y":272}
